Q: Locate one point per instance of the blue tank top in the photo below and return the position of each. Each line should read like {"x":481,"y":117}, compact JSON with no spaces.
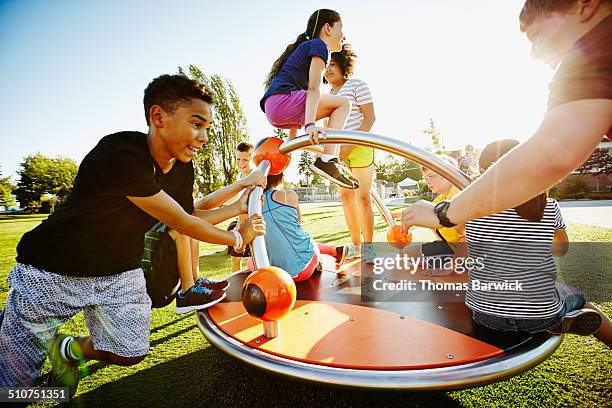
{"x":289,"y":246}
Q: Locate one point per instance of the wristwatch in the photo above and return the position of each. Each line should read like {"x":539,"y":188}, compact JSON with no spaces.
{"x":440,"y":210}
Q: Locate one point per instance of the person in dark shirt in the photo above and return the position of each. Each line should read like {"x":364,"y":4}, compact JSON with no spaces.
{"x":576,"y":37}
{"x":86,"y":255}
{"x":171,"y":260}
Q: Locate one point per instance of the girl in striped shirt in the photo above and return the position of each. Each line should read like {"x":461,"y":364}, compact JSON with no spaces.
{"x":516,"y":245}
{"x":357,"y":203}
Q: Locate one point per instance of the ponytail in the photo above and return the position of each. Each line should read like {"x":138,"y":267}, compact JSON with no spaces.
{"x":316,"y":21}
{"x":281,"y":60}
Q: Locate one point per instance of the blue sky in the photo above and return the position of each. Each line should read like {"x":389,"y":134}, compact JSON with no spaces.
{"x":74,"y":71}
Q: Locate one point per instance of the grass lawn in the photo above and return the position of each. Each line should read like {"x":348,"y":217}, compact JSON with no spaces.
{"x":183,"y":369}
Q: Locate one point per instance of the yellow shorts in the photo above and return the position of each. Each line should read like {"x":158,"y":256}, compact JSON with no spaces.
{"x":361,"y":156}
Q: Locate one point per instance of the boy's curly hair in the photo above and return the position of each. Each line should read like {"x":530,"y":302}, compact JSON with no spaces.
{"x":172,"y":91}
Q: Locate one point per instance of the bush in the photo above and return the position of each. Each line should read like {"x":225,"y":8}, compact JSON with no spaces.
{"x":575,"y":185}
{"x":555,"y":193}
{"x":601,"y":195}
{"x":580,"y":196}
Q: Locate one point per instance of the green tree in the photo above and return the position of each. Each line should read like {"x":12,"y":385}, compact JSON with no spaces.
{"x":316,"y":180}
{"x":394,"y":171}
{"x":332,"y":188}
{"x":437,"y":146}
{"x":215,"y":164}
{"x":408,"y":168}
{"x":598,"y":163}
{"x":306,"y":160}
{"x":280,"y":133}
{"x":6,"y":191}
{"x":575,"y":185}
{"x":43,"y":175}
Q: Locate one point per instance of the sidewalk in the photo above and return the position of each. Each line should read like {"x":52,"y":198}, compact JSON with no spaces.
{"x":598,"y":213}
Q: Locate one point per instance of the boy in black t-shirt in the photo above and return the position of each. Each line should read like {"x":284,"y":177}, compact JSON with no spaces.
{"x":86,"y":255}
{"x":576,"y":37}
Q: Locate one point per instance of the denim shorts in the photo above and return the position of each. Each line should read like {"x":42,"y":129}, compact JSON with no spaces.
{"x":571,"y":298}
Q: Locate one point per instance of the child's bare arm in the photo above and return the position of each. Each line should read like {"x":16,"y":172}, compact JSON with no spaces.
{"x":217,"y":198}
{"x":566,"y":137}
{"x":218,"y":214}
{"x":560,"y":244}
{"x":369,"y":117}
{"x":163,"y":208}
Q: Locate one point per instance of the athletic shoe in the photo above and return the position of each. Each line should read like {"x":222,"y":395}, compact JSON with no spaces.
{"x":198,"y":297}
{"x":334,"y":172}
{"x":583,"y":322}
{"x":64,"y":372}
{"x":369,"y":253}
{"x":341,"y":252}
{"x":213,"y":285}
{"x":352,"y":252}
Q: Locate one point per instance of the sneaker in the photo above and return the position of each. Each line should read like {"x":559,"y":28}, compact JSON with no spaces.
{"x":334,"y":172}
{"x":583,"y":322}
{"x":340,"y":254}
{"x":64,"y":372}
{"x":213,"y":285}
{"x":368,"y":253}
{"x":352,"y":251}
{"x":198,"y":297}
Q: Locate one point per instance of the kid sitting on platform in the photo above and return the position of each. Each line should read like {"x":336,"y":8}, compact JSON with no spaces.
{"x":515,"y":245}
{"x":170,"y":256}
{"x":289,"y":246}
{"x":443,"y":246}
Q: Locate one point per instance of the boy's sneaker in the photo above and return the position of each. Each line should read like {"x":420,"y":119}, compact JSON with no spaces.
{"x":352,"y":252}
{"x":213,"y":285}
{"x":334,"y":172}
{"x":196,"y":298}
{"x":64,"y":372}
{"x":583,"y":322}
{"x":368,"y":253}
{"x":341,"y":252}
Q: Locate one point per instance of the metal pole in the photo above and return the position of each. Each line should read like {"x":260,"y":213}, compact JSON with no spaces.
{"x":388,"y":144}
{"x":408,"y":151}
{"x":383,"y":208}
{"x":258,"y":246}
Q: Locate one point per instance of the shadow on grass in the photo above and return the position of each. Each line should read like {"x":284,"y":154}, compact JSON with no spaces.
{"x":162,"y":340}
{"x":101,"y":364}
{"x":18,"y":219}
{"x":170,"y":323}
{"x":210,"y":378}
